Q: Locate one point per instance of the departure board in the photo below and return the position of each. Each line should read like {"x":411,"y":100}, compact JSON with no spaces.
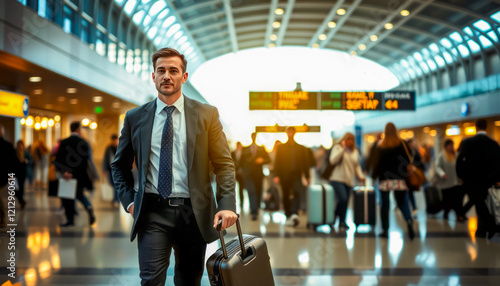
{"x":336,"y":100}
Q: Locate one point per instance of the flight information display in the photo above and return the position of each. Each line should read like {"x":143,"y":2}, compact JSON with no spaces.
{"x":336,"y":100}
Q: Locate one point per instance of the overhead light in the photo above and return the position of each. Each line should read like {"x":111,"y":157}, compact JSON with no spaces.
{"x":370,"y":139}
{"x":315,"y":45}
{"x":271,"y":45}
{"x":332,"y":24}
{"x":73,"y":101}
{"x":279,"y":11}
{"x":388,"y":26}
{"x":273,"y":37}
{"x":44,"y":124}
{"x":276,"y":24}
{"x":409,"y":134}
{"x":29,"y":121}
{"x":353,"y":53}
{"x":497,"y":123}
{"x":405,"y":13}
{"x":453,"y":131}
{"x":362,"y":47}
{"x":373,"y":38}
{"x":51,"y":122}
{"x":61,"y":98}
{"x":37,"y":91}
{"x":471,"y":130}
{"x":322,"y":37}
{"x":433,"y":132}
{"x":23,"y":121}
{"x":426,"y":129}
{"x":71,"y":90}
{"x":341,"y":12}
{"x":85,"y":122}
{"x":403,"y":135}
{"x":93,"y":125}
{"x":116,"y":104}
{"x":97,"y":99}
{"x":35,"y":79}
{"x":57,"y":118}
{"x":37,"y":119}
{"x":37,"y":126}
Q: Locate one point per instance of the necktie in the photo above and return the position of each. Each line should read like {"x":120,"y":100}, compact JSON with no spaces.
{"x":165,"y":170}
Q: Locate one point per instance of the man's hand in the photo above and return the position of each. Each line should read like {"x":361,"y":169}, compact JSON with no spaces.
{"x":67,"y":175}
{"x":131,"y":210}
{"x":259,"y":161}
{"x":228,"y":219}
{"x":276,"y":180}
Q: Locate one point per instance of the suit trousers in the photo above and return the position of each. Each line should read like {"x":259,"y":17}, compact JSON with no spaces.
{"x":254,"y":189}
{"x":69,"y":204}
{"x":162,"y":228}
{"x":477,"y":193}
{"x":291,"y":186}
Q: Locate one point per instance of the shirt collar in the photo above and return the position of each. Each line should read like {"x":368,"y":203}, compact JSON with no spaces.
{"x":482,"y":132}
{"x":179,"y":104}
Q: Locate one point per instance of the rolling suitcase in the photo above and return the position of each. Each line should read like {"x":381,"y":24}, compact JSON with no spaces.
{"x":320,"y":199}
{"x":243,"y":261}
{"x":364,"y":206}
{"x":433,"y":200}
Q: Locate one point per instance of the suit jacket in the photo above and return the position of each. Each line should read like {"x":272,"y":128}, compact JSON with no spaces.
{"x":478,"y":161}
{"x":247,"y":161}
{"x":10,"y":163}
{"x":206,"y":143}
{"x":72,"y":156}
{"x":285,"y":166}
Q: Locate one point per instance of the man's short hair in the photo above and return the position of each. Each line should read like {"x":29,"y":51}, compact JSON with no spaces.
{"x":291,"y":128}
{"x":481,"y":124}
{"x":167,"y":53}
{"x":74,"y":126}
{"x":114,"y":137}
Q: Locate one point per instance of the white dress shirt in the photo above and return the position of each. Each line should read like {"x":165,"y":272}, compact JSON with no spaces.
{"x":179,"y":154}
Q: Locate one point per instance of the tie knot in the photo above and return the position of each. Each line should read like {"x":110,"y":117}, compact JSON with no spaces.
{"x":169,"y":109}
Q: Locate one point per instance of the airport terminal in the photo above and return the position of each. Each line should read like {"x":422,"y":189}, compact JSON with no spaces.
{"x":357,"y":140}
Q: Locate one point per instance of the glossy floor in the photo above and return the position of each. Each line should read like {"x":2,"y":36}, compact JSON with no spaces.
{"x":443,"y":253}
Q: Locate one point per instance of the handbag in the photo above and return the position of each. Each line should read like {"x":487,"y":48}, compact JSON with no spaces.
{"x":493,"y":203}
{"x":416,"y":176}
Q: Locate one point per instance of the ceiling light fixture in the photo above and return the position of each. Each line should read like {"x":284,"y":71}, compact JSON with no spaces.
{"x":315,"y":45}
{"x":71,"y":90}
{"x":373,"y":38}
{"x":273,"y":37}
{"x":97,"y":99}
{"x":73,"y":101}
{"x":279,"y":11}
{"x":332,"y":25}
{"x":322,"y":37}
{"x":35,"y":79}
{"x":353,"y":53}
{"x":37,"y":91}
{"x":388,"y":26}
{"x":362,"y":47}
{"x":276,"y":24}
{"x":405,"y":13}
{"x":341,"y":12}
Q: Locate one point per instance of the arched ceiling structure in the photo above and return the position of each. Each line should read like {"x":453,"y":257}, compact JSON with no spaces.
{"x":410,"y":37}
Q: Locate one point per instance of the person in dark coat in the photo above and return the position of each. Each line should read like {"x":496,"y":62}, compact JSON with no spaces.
{"x":109,"y":156}
{"x":236,"y":156}
{"x":253,"y":157}
{"x":71,"y":161}
{"x":478,"y":165}
{"x":10,"y":165}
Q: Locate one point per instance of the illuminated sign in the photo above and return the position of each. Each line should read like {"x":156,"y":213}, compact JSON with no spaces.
{"x":277,"y":128}
{"x":13,"y":104}
{"x":351,"y":100}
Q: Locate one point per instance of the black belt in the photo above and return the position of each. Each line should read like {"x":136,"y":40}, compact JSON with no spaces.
{"x":170,"y":201}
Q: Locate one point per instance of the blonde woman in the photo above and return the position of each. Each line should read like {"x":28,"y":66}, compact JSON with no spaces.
{"x":345,"y":157}
{"x":390,"y":168}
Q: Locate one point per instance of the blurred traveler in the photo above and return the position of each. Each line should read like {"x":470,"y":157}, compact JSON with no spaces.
{"x":345,"y":157}
{"x":40,"y":154}
{"x":72,"y":161}
{"x":21,"y":174}
{"x":174,"y":140}
{"x":417,"y":161}
{"x":447,"y":181}
{"x":478,"y":165}
{"x":109,"y":156}
{"x":253,"y":157}
{"x":236,"y":156}
{"x":291,"y":164}
{"x":369,"y":164}
{"x":10,"y":165}
{"x":390,"y":168}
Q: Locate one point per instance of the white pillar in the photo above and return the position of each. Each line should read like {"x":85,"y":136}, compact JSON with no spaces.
{"x":29,"y":136}
{"x":48,"y":137}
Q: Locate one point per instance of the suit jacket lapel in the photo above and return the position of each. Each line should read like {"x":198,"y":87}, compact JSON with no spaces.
{"x":147,"y":119}
{"x":191,"y":128}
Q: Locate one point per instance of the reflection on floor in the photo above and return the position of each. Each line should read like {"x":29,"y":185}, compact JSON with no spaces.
{"x":443,"y":253}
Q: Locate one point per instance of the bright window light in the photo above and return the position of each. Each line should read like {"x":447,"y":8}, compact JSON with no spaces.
{"x":145,"y":1}
{"x":156,"y":8}
{"x":474,"y":47}
{"x":138,"y":17}
{"x":496,"y":16}
{"x":417,"y":56}
{"x":426,"y":53}
{"x":182,"y":40}
{"x":232,"y":98}
{"x":463,"y":50}
{"x":147,"y":20}
{"x":119,"y":1}
{"x":485,"y":42}
{"x":189,"y":51}
{"x":468,"y":31}
{"x":446,"y":43}
{"x":170,"y":20}
{"x":432,"y":65}
{"x":439,"y":61}
{"x":185,"y":45}
{"x":172,"y":30}
{"x":455,"y":36}
{"x":405,"y":64}
{"x":152,"y":32}
{"x":157,"y":41}
{"x":424,"y":67}
{"x":482,"y":25}
{"x":493,"y":36}
{"x":129,"y":7}
{"x":178,"y":34}
{"x":434,"y":47}
{"x":163,"y":14}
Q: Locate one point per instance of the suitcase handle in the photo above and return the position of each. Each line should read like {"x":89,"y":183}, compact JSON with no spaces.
{"x":240,"y":238}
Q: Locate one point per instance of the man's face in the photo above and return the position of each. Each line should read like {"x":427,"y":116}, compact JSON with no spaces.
{"x":168,"y":76}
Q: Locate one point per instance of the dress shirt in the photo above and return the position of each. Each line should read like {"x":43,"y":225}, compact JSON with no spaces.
{"x":179,"y":154}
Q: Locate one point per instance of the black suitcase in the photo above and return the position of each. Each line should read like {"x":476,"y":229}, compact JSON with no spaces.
{"x":364,"y":206}
{"x":433,"y":200}
{"x":272,"y":199}
{"x":231,"y":266}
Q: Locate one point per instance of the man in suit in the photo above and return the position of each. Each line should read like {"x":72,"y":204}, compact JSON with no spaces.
{"x":478,"y":165}
{"x":174,"y":139}
{"x":253,"y":157}
{"x":292,"y":161}
{"x":71,"y":161}
{"x":236,"y":156}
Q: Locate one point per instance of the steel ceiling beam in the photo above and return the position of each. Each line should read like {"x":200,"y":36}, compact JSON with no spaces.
{"x":328,"y":18}
{"x":284,"y":23}
{"x":230,"y":25}
{"x":198,"y":5}
{"x":342,"y":21}
{"x":270,"y":21}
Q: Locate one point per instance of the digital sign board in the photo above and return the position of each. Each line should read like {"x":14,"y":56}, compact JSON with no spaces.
{"x":350,"y":100}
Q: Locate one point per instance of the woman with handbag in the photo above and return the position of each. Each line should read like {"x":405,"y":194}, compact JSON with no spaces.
{"x":390,"y":168}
